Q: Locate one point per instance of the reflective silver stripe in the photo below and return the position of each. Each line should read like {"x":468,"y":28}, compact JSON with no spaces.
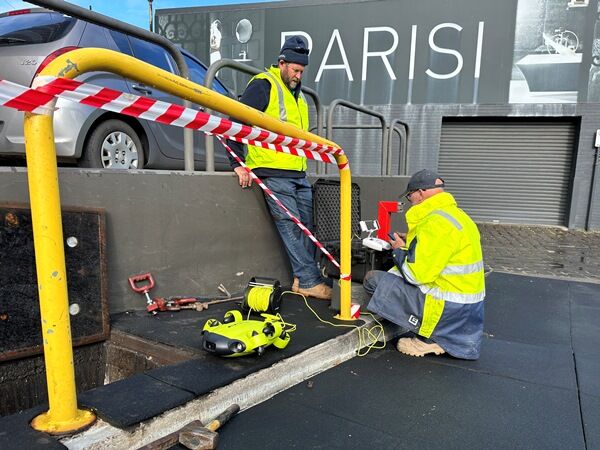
{"x":303,"y":98}
{"x":408,"y":274}
{"x":455,"y":222}
{"x":454,"y":297}
{"x":282,"y":110}
{"x":463,"y":269}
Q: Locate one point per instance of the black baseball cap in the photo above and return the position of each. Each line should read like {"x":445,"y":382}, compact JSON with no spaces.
{"x":423,"y":179}
{"x":294,"y":50}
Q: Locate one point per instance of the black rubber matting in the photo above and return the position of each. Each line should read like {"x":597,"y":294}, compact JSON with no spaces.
{"x":533,"y":387}
{"x":414,"y":402}
{"x":585,"y":318}
{"x":15,"y":432}
{"x":514,"y":304}
{"x":133,"y":400}
{"x":143,"y":394}
{"x":588,"y":370}
{"x":590,"y":410}
{"x":551,"y":364}
{"x":182,"y":328}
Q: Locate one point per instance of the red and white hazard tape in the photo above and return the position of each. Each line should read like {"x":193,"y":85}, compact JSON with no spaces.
{"x":39,"y":101}
{"x":46,"y":88}
{"x":268,"y":192}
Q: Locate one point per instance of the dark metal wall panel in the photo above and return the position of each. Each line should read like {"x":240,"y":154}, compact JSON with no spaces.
{"x":84,"y":234}
{"x":594,"y":212}
{"x":509,"y":171}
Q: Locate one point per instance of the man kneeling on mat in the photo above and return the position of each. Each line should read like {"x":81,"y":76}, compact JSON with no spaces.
{"x":437,"y":287}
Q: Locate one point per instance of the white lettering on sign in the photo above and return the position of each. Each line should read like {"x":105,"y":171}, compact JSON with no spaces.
{"x":446,"y":51}
{"x":335,"y":37}
{"x":479,"y":47}
{"x":413,"y":51}
{"x":383,"y":54}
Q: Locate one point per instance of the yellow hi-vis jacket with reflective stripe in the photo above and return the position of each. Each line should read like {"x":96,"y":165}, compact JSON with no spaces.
{"x":282,"y":105}
{"x":444,"y":252}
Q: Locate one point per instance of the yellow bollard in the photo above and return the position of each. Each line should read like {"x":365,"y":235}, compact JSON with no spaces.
{"x":63,"y":416}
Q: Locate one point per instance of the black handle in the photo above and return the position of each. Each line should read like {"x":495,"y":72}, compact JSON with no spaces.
{"x":264,"y":280}
{"x":141,"y":88}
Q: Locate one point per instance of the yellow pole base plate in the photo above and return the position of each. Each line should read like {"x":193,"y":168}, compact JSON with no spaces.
{"x":82,"y":420}
{"x":347,"y":319}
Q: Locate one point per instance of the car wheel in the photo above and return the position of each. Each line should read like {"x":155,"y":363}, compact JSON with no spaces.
{"x":113,"y":144}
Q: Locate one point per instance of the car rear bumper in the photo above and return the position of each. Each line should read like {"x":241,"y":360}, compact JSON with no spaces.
{"x":67,"y":123}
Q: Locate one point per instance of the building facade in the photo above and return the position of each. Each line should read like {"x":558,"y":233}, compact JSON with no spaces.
{"x":501,"y":97}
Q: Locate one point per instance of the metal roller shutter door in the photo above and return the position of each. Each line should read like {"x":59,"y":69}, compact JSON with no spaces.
{"x":509,"y":171}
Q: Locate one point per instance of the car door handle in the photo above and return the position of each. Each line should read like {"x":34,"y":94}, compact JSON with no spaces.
{"x":142,"y":88}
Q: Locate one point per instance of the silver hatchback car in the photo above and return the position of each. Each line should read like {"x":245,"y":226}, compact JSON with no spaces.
{"x":89,"y":137}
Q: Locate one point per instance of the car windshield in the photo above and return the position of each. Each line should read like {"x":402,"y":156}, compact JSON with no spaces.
{"x":33,"y":28}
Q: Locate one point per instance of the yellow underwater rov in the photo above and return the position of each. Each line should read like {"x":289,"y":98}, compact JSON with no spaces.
{"x":237,"y":336}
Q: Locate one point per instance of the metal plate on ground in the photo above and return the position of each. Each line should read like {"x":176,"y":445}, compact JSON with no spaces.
{"x":84,"y":244}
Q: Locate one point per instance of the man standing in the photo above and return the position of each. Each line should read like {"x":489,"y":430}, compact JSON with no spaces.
{"x":277,"y":93}
{"x":437,"y":288}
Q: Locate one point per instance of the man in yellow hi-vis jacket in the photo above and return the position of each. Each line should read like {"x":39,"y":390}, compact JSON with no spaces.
{"x":437,"y":288}
{"x":277,"y":92}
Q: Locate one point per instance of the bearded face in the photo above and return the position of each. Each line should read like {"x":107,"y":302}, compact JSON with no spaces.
{"x":291,"y":73}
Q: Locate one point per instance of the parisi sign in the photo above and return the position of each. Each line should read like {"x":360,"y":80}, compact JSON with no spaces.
{"x":398,"y":51}
{"x":372,"y":52}
{"x":336,"y":43}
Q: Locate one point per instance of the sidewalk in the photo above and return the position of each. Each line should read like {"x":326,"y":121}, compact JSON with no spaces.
{"x":542,"y":251}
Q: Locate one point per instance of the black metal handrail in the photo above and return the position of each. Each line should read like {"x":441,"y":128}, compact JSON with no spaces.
{"x":403,"y":152}
{"x":384,"y":129}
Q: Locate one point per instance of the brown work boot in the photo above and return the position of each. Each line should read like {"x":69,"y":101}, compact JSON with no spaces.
{"x":320,"y":291}
{"x":416,"y":347}
{"x":295,"y":285}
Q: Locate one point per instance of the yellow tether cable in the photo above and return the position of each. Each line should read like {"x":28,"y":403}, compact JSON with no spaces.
{"x":373,"y":334}
{"x":258,"y":298}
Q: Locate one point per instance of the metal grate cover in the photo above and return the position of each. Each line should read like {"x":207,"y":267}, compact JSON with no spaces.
{"x":84,"y":232}
{"x":326,"y":204}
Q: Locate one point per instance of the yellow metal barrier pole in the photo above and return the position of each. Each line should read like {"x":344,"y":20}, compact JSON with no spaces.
{"x":345,"y":238}
{"x":79,"y":61}
{"x":63,"y":416}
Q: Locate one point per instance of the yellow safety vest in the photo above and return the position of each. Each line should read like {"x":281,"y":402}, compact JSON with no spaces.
{"x":446,"y":261}
{"x":282,"y":105}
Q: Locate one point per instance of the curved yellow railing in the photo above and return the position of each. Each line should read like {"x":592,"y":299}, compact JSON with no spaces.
{"x":63,"y":415}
